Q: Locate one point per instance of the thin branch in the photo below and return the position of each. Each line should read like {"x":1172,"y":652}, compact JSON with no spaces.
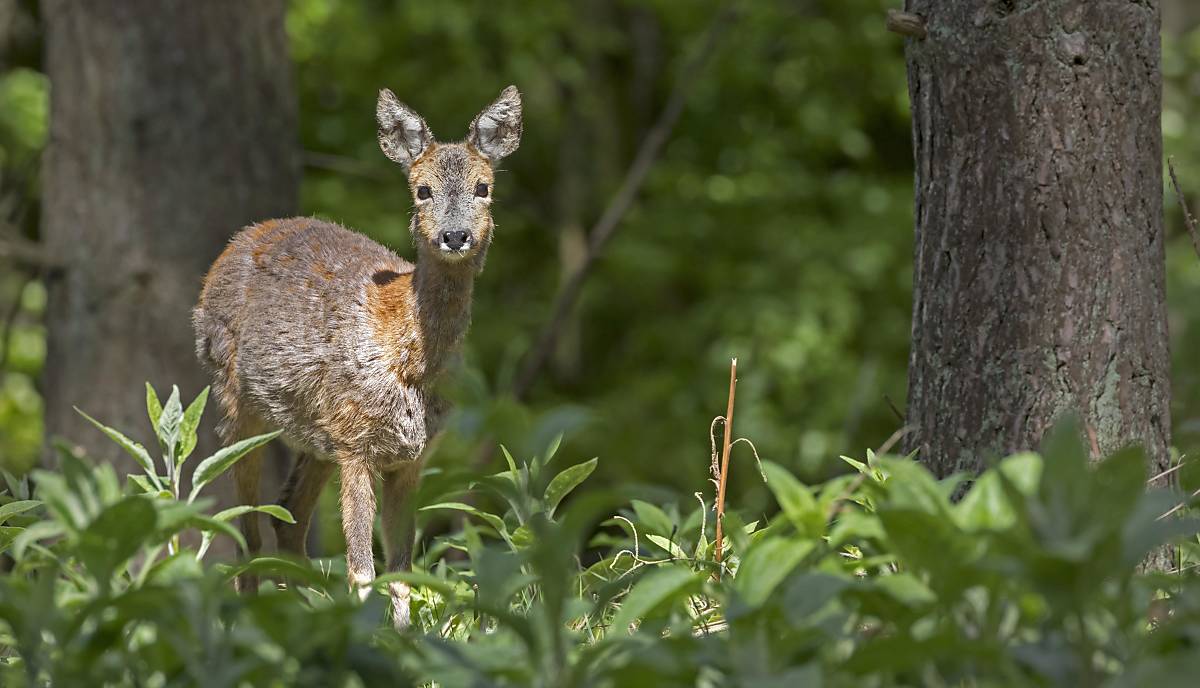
{"x":725,"y":462}
{"x":342,"y":165}
{"x":1167,"y":472}
{"x":648,"y":153}
{"x":891,"y":441}
{"x":1188,"y":220}
{"x":892,"y":405}
{"x":27,"y":253}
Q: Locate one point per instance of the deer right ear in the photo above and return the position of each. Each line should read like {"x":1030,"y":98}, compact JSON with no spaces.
{"x":403,"y":135}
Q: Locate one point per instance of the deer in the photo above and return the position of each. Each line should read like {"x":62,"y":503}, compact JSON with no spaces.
{"x":313,"y":329}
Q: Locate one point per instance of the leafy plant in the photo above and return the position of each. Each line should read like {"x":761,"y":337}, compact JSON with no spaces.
{"x":875,"y":578}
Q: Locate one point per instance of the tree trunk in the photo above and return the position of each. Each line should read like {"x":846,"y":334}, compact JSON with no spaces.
{"x":172,"y":125}
{"x":1039,"y":260}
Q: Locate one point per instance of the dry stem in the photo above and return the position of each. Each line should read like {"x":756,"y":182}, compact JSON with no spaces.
{"x":725,"y":461}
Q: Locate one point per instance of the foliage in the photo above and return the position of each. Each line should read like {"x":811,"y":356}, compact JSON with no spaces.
{"x":875,"y":578}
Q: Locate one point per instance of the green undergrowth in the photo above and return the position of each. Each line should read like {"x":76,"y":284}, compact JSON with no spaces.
{"x":874,"y":578}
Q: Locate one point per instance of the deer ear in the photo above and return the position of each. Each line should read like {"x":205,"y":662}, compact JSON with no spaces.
{"x":496,"y":132}
{"x":403,"y":135}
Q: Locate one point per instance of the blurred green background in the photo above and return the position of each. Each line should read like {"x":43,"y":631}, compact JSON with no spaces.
{"x":775,"y":227}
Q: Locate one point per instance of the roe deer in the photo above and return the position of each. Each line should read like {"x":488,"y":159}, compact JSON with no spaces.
{"x":315,"y":329}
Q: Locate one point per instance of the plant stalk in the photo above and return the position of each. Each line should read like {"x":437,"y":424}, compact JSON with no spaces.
{"x":724,"y":480}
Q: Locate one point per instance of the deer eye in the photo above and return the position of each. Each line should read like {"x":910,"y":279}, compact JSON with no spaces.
{"x":423,"y":192}
{"x":481,"y":190}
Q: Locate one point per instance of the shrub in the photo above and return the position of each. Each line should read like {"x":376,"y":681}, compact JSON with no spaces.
{"x":876,"y":578}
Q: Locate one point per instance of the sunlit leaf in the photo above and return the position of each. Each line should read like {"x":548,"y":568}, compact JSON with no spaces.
{"x":212,"y":467}
{"x":564,"y":482}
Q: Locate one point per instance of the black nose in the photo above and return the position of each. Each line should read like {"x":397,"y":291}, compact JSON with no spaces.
{"x":454,"y":240}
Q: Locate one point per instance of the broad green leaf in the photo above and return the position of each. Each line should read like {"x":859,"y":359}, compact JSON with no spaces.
{"x":115,"y":536}
{"x":912,"y":486}
{"x":271,"y":509}
{"x":206,"y":523}
{"x":766,"y":565}
{"x":656,"y":589}
{"x":795,"y":499}
{"x":7,"y":535}
{"x":42,"y":530}
{"x":296,"y":570}
{"x":668,"y":546}
{"x":137,"y":451}
{"x":564,"y":482}
{"x":212,"y":467}
{"x":440,"y":585}
{"x":189,"y":425}
{"x":153,"y":406}
{"x":988,"y":505}
{"x":652,"y":518}
{"x":906,"y":589}
{"x":147,"y":487}
{"x":492,"y":520}
{"x":14,"y":508}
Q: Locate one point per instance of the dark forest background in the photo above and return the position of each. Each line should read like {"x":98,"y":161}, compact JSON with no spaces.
{"x":775,"y":225}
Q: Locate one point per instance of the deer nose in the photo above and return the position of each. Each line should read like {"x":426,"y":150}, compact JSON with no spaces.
{"x":454,"y":240}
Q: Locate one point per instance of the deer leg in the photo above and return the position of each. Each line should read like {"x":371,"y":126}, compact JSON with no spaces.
{"x":299,"y":496}
{"x":358,"y":520}
{"x":398,"y":514}
{"x":246,"y":473}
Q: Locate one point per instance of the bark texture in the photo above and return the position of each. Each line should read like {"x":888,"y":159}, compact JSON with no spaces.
{"x":172,"y":125}
{"x":1039,"y":260}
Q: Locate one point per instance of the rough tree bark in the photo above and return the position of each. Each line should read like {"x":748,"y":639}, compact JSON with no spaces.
{"x":172,"y":124}
{"x":1039,"y":260}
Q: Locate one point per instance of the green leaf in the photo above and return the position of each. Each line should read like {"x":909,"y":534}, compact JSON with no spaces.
{"x":137,"y":451}
{"x":212,"y":467}
{"x":564,"y":482}
{"x":42,"y":530}
{"x":296,"y":570}
{"x":492,"y":520}
{"x":795,"y":499}
{"x":205,"y":523}
{"x":655,"y":590}
{"x":512,"y":464}
{"x":146,"y":486}
{"x":988,"y":505}
{"x":153,"y":406}
{"x":906,"y":589}
{"x":14,"y":508}
{"x":115,"y":536}
{"x":552,"y":449}
{"x":440,"y":585}
{"x":168,"y":423}
{"x":651,"y":518}
{"x":674,"y":549}
{"x":189,"y":425}
{"x":766,"y":565}
{"x":271,"y":509}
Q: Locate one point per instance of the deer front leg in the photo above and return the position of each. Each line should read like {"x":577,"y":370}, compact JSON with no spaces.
{"x":398,"y":514}
{"x":358,"y":519}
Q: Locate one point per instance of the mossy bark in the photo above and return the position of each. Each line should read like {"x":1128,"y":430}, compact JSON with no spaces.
{"x":1039,"y":259}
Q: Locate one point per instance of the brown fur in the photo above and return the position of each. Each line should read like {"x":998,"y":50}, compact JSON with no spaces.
{"x":314,"y":329}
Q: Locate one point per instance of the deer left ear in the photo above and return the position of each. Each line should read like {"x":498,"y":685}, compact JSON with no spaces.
{"x":496,"y":132}
{"x":403,"y":135}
